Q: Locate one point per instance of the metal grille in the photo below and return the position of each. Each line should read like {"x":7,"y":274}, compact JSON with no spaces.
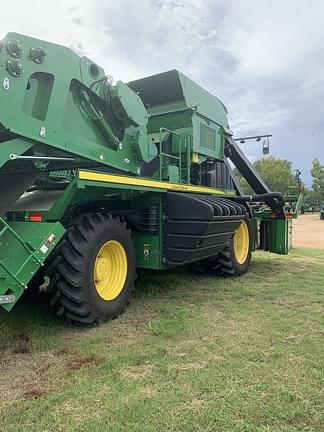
{"x":207,"y":137}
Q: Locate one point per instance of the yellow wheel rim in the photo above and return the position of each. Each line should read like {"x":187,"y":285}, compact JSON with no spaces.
{"x":241,"y":243}
{"x":110,"y":270}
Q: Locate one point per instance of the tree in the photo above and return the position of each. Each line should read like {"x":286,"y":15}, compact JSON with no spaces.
{"x":310,"y":197}
{"x":317,"y":173}
{"x":275,"y":172}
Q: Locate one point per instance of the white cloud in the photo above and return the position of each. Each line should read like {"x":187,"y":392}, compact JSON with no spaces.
{"x":273,"y":37}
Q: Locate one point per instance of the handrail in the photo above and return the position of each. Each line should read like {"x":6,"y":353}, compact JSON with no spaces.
{"x":169,"y":155}
{"x":188,"y":147}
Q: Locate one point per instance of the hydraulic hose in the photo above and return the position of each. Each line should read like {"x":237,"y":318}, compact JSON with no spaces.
{"x":266,"y":197}
{"x":275,"y":201}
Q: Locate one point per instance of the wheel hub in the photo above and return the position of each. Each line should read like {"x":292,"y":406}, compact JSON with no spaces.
{"x":241,"y":243}
{"x":101,"y":268}
{"x":110,"y":270}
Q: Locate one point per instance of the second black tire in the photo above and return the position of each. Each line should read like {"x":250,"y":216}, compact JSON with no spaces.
{"x":235,"y":258}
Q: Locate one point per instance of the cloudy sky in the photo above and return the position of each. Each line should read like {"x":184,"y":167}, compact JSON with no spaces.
{"x":263,"y":59}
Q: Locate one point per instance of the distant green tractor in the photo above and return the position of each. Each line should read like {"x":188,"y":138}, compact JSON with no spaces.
{"x":294,"y":198}
{"x":98,"y":179}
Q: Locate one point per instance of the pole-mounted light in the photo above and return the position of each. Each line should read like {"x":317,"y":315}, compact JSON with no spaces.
{"x":265,"y":142}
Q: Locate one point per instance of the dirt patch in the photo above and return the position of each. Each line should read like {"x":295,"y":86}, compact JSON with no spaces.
{"x":18,"y":344}
{"x":22,"y":344}
{"x":308,"y":231}
{"x":82,"y":362}
{"x":65,"y":351}
{"x":74,"y":360}
{"x":31,"y":375}
{"x":34,"y":393}
{"x":24,"y":376}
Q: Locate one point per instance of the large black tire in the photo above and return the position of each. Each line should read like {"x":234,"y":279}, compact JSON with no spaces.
{"x":229,"y":264}
{"x":72,"y":273}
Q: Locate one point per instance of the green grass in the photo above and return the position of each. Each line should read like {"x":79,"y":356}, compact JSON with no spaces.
{"x":192,"y":353}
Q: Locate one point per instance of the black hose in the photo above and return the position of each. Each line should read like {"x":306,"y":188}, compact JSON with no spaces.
{"x":274,"y":200}
{"x":266,"y":197}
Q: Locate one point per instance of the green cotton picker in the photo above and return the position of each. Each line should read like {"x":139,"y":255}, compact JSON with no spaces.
{"x":98,"y":179}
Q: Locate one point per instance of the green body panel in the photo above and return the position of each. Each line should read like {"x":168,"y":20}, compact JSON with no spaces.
{"x":271,"y":234}
{"x":183,"y":103}
{"x":148,"y":251}
{"x":75,"y":112}
{"x":17,"y":146}
{"x":172,"y":91}
{"x":44,"y":104}
{"x":208,"y":138}
{"x":81,"y":193}
{"x":22,"y":254}
{"x":280,"y":236}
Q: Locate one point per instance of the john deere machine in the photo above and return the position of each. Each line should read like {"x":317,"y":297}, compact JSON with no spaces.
{"x":98,"y":179}
{"x":294,"y":198}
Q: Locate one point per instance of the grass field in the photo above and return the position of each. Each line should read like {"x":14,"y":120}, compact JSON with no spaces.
{"x":192,"y":353}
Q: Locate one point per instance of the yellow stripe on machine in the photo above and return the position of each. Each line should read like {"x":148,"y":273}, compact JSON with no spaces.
{"x":135,"y":181}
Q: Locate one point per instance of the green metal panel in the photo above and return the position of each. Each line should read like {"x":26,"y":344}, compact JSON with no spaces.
{"x":129,"y":102}
{"x":203,"y":102}
{"x":148,"y":250}
{"x":43,"y":102}
{"x":17,"y":146}
{"x":161,"y":92}
{"x":24,"y":246}
{"x":208,"y":138}
{"x":77,"y":111}
{"x":170,"y":91}
{"x":173,"y":93}
{"x":279,"y":236}
{"x":277,"y":233}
